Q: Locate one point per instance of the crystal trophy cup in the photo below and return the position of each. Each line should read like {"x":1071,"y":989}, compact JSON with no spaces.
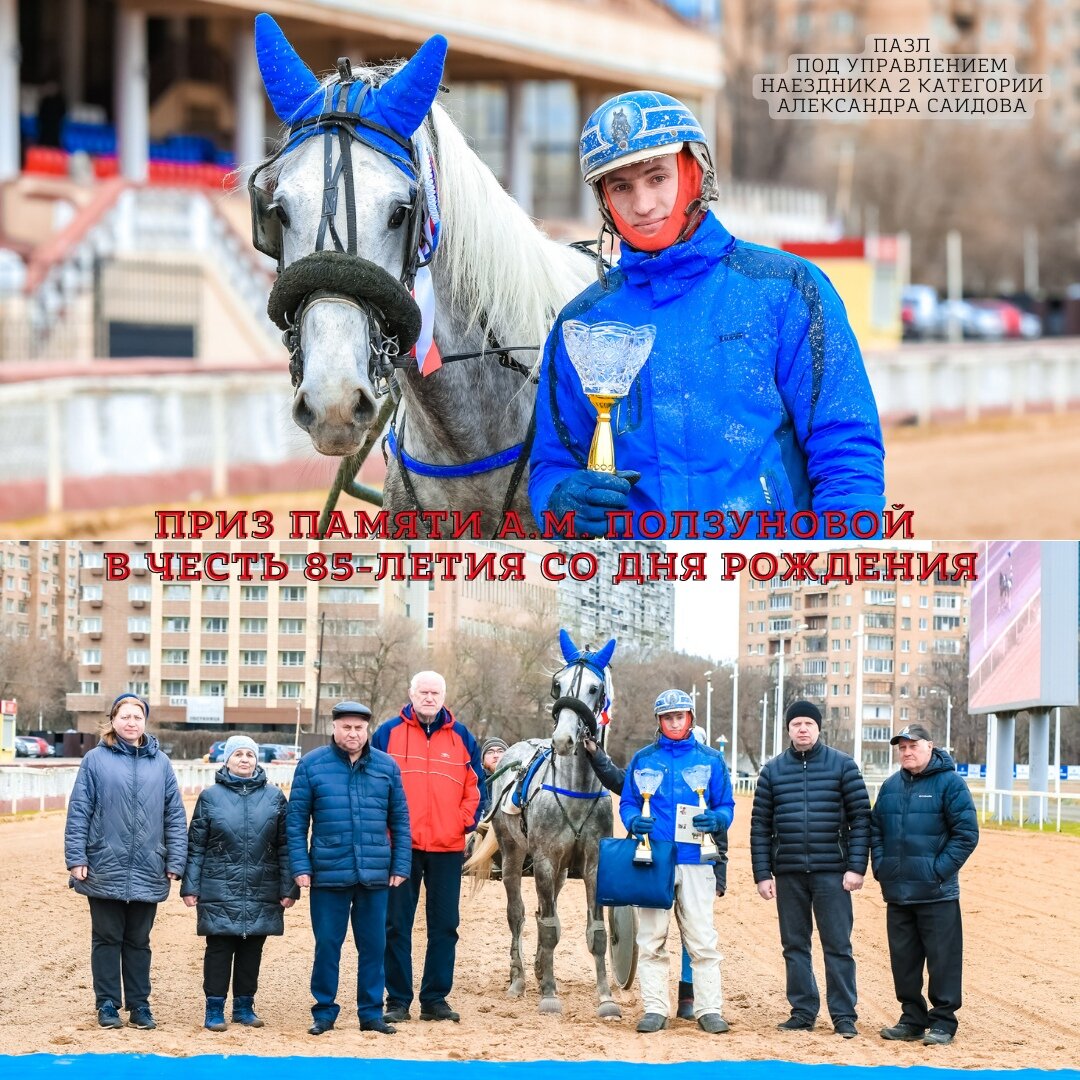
{"x":607,"y":356}
{"x":648,"y":782}
{"x":698,"y":777}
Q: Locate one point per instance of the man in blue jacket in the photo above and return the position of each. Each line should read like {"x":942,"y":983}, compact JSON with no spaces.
{"x":809,"y":845}
{"x":351,"y":797}
{"x":922,"y":830}
{"x":674,"y":751}
{"x":754,"y":399}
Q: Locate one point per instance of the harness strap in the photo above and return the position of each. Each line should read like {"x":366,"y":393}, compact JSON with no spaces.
{"x":449,"y":472}
{"x":576,"y":794}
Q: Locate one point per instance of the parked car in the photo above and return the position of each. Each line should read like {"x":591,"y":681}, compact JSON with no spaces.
{"x":26,"y":746}
{"x":46,"y":748}
{"x":278,"y":752}
{"x":217,"y":750}
{"x":918,"y":312}
{"x":1013,"y":321}
{"x":975,"y":323}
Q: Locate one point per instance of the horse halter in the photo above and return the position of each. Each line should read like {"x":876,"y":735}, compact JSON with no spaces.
{"x":337,"y":273}
{"x":572,"y":700}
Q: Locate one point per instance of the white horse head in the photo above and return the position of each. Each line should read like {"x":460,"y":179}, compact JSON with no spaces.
{"x":494,"y":275}
{"x":580,"y":693}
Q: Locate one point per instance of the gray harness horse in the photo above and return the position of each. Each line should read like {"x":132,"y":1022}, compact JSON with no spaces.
{"x":548,"y":805}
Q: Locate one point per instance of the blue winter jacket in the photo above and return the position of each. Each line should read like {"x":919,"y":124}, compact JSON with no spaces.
{"x":671,"y":757}
{"x":922,"y":829}
{"x":754,"y":397}
{"x":126,"y":823}
{"x":358,"y":817}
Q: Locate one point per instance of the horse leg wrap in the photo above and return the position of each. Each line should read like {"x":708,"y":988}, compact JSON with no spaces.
{"x":597,"y":931}
{"x":548,"y":931}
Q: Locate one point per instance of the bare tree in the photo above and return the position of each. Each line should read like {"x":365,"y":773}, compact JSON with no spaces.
{"x":39,"y":675}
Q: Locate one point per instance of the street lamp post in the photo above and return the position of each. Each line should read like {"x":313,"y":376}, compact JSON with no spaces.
{"x":948,"y":716}
{"x":708,"y":708}
{"x":858,"y":727}
{"x":735,"y":718}
{"x":779,"y":701}
{"x":764,"y":723}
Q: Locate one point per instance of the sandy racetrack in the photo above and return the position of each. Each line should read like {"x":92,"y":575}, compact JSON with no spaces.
{"x":1022,"y":926}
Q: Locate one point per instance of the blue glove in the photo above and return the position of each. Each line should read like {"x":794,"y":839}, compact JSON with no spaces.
{"x":641,"y":825}
{"x":589,"y":495}
{"x":708,"y":821}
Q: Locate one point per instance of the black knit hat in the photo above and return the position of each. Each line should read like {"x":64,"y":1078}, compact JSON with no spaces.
{"x":803,"y":709}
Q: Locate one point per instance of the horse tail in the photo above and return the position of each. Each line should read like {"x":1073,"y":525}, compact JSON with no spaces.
{"x":479,"y":862}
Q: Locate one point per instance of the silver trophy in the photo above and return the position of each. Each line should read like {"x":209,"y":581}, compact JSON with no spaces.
{"x":606,"y":357}
{"x":648,"y":782}
{"x":697,"y":777}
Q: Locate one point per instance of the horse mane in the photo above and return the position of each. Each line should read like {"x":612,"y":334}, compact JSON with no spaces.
{"x":498,"y":265}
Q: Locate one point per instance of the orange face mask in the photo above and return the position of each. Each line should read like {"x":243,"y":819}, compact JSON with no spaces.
{"x":689,"y":190}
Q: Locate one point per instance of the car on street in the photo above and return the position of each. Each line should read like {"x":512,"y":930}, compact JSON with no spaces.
{"x":278,"y":752}
{"x":27,"y":747}
{"x":918,"y":312}
{"x":1013,"y":321}
{"x":217,"y":749}
{"x":47,"y":748}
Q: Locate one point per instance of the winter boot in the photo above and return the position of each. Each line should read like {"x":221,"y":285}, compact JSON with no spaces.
{"x":243,"y":1012}
{"x":215,"y":1014}
{"x":686,"y":1001}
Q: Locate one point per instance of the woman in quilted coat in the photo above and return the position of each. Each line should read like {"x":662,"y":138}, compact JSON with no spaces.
{"x":124,"y":843}
{"x":238,"y":878}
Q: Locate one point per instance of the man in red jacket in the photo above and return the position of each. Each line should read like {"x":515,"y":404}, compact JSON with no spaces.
{"x":440,"y":768}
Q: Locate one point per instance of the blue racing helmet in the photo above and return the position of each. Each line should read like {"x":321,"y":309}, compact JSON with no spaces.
{"x":673,"y":701}
{"x":633,"y":127}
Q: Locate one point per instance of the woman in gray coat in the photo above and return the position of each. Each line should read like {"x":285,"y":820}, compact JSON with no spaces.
{"x":238,"y":878}
{"x":125,"y":839}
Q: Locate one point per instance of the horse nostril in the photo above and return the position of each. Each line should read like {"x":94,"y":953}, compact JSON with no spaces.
{"x":303,"y":413}
{"x":364,"y":409}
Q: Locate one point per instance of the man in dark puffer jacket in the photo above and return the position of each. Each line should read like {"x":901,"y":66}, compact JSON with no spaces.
{"x":352,"y":797}
{"x":809,"y":845}
{"x":922,"y":831}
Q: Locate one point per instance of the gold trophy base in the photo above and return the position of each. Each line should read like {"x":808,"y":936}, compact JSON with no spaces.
{"x":643,"y":854}
{"x":602,"y":447}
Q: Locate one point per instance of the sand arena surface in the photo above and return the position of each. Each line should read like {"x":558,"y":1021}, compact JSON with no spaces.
{"x":1022,"y":961}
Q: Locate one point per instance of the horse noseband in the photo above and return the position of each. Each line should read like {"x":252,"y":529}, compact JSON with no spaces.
{"x":393,"y":315}
{"x":576,"y":705}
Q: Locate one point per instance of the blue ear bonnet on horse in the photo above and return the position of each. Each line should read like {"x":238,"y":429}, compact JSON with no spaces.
{"x":596,"y":660}
{"x":387,"y":115}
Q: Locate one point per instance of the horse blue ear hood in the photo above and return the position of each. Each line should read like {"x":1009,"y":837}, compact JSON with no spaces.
{"x":399,"y":104}
{"x":572,"y":653}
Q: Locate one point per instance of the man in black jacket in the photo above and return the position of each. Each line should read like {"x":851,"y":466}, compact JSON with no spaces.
{"x":809,"y":845}
{"x":922,"y":831}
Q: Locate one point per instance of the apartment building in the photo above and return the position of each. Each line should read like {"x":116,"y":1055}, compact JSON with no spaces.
{"x":39,"y":590}
{"x":871,"y":652}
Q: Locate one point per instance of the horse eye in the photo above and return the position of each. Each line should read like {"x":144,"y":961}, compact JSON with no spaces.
{"x":397,"y":217}
{"x":282,"y":215}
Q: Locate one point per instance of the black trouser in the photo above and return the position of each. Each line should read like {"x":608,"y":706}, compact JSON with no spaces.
{"x":930,"y":934}
{"x":440,"y":873}
{"x":120,"y":946}
{"x":802,"y":901}
{"x":229,"y":954}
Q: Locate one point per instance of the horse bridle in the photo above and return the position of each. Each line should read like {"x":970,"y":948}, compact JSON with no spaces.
{"x":588,"y":719}
{"x":392,"y":314}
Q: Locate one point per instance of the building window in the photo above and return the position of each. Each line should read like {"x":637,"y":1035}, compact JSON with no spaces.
{"x":93,"y":560}
{"x":174,"y":656}
{"x":877,"y":665}
{"x":89,"y":687}
{"x":293,"y":594}
{"x":253,"y":626}
{"x":91,"y":656}
{"x":176,"y":624}
{"x":141,"y":688}
{"x":253,"y":658}
{"x":174,"y":687}
{"x":291,"y":658}
{"x":90,"y":592}
{"x":291,"y":626}
{"x":215,"y":657}
{"x":138,"y":624}
{"x":138,"y":656}
{"x":215,"y":592}
{"x":879,"y":642}
{"x":215,"y":624}
{"x":255,"y":593}
{"x":289,"y":690}
{"x":431,"y":620}
{"x":212,"y":689}
{"x":295,"y":560}
{"x":91,"y":625}
{"x":176,"y":592}
{"x":252,"y":690}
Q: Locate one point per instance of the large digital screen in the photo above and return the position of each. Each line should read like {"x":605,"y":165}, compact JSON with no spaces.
{"x":1023,"y":626}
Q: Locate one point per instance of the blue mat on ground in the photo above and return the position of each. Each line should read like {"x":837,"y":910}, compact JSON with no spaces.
{"x":241,"y":1067}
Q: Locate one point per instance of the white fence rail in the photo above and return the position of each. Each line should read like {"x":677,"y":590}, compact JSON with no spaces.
{"x":28,"y":788}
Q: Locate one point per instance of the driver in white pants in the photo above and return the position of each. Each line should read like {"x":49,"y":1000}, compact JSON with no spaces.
{"x":674,"y":751}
